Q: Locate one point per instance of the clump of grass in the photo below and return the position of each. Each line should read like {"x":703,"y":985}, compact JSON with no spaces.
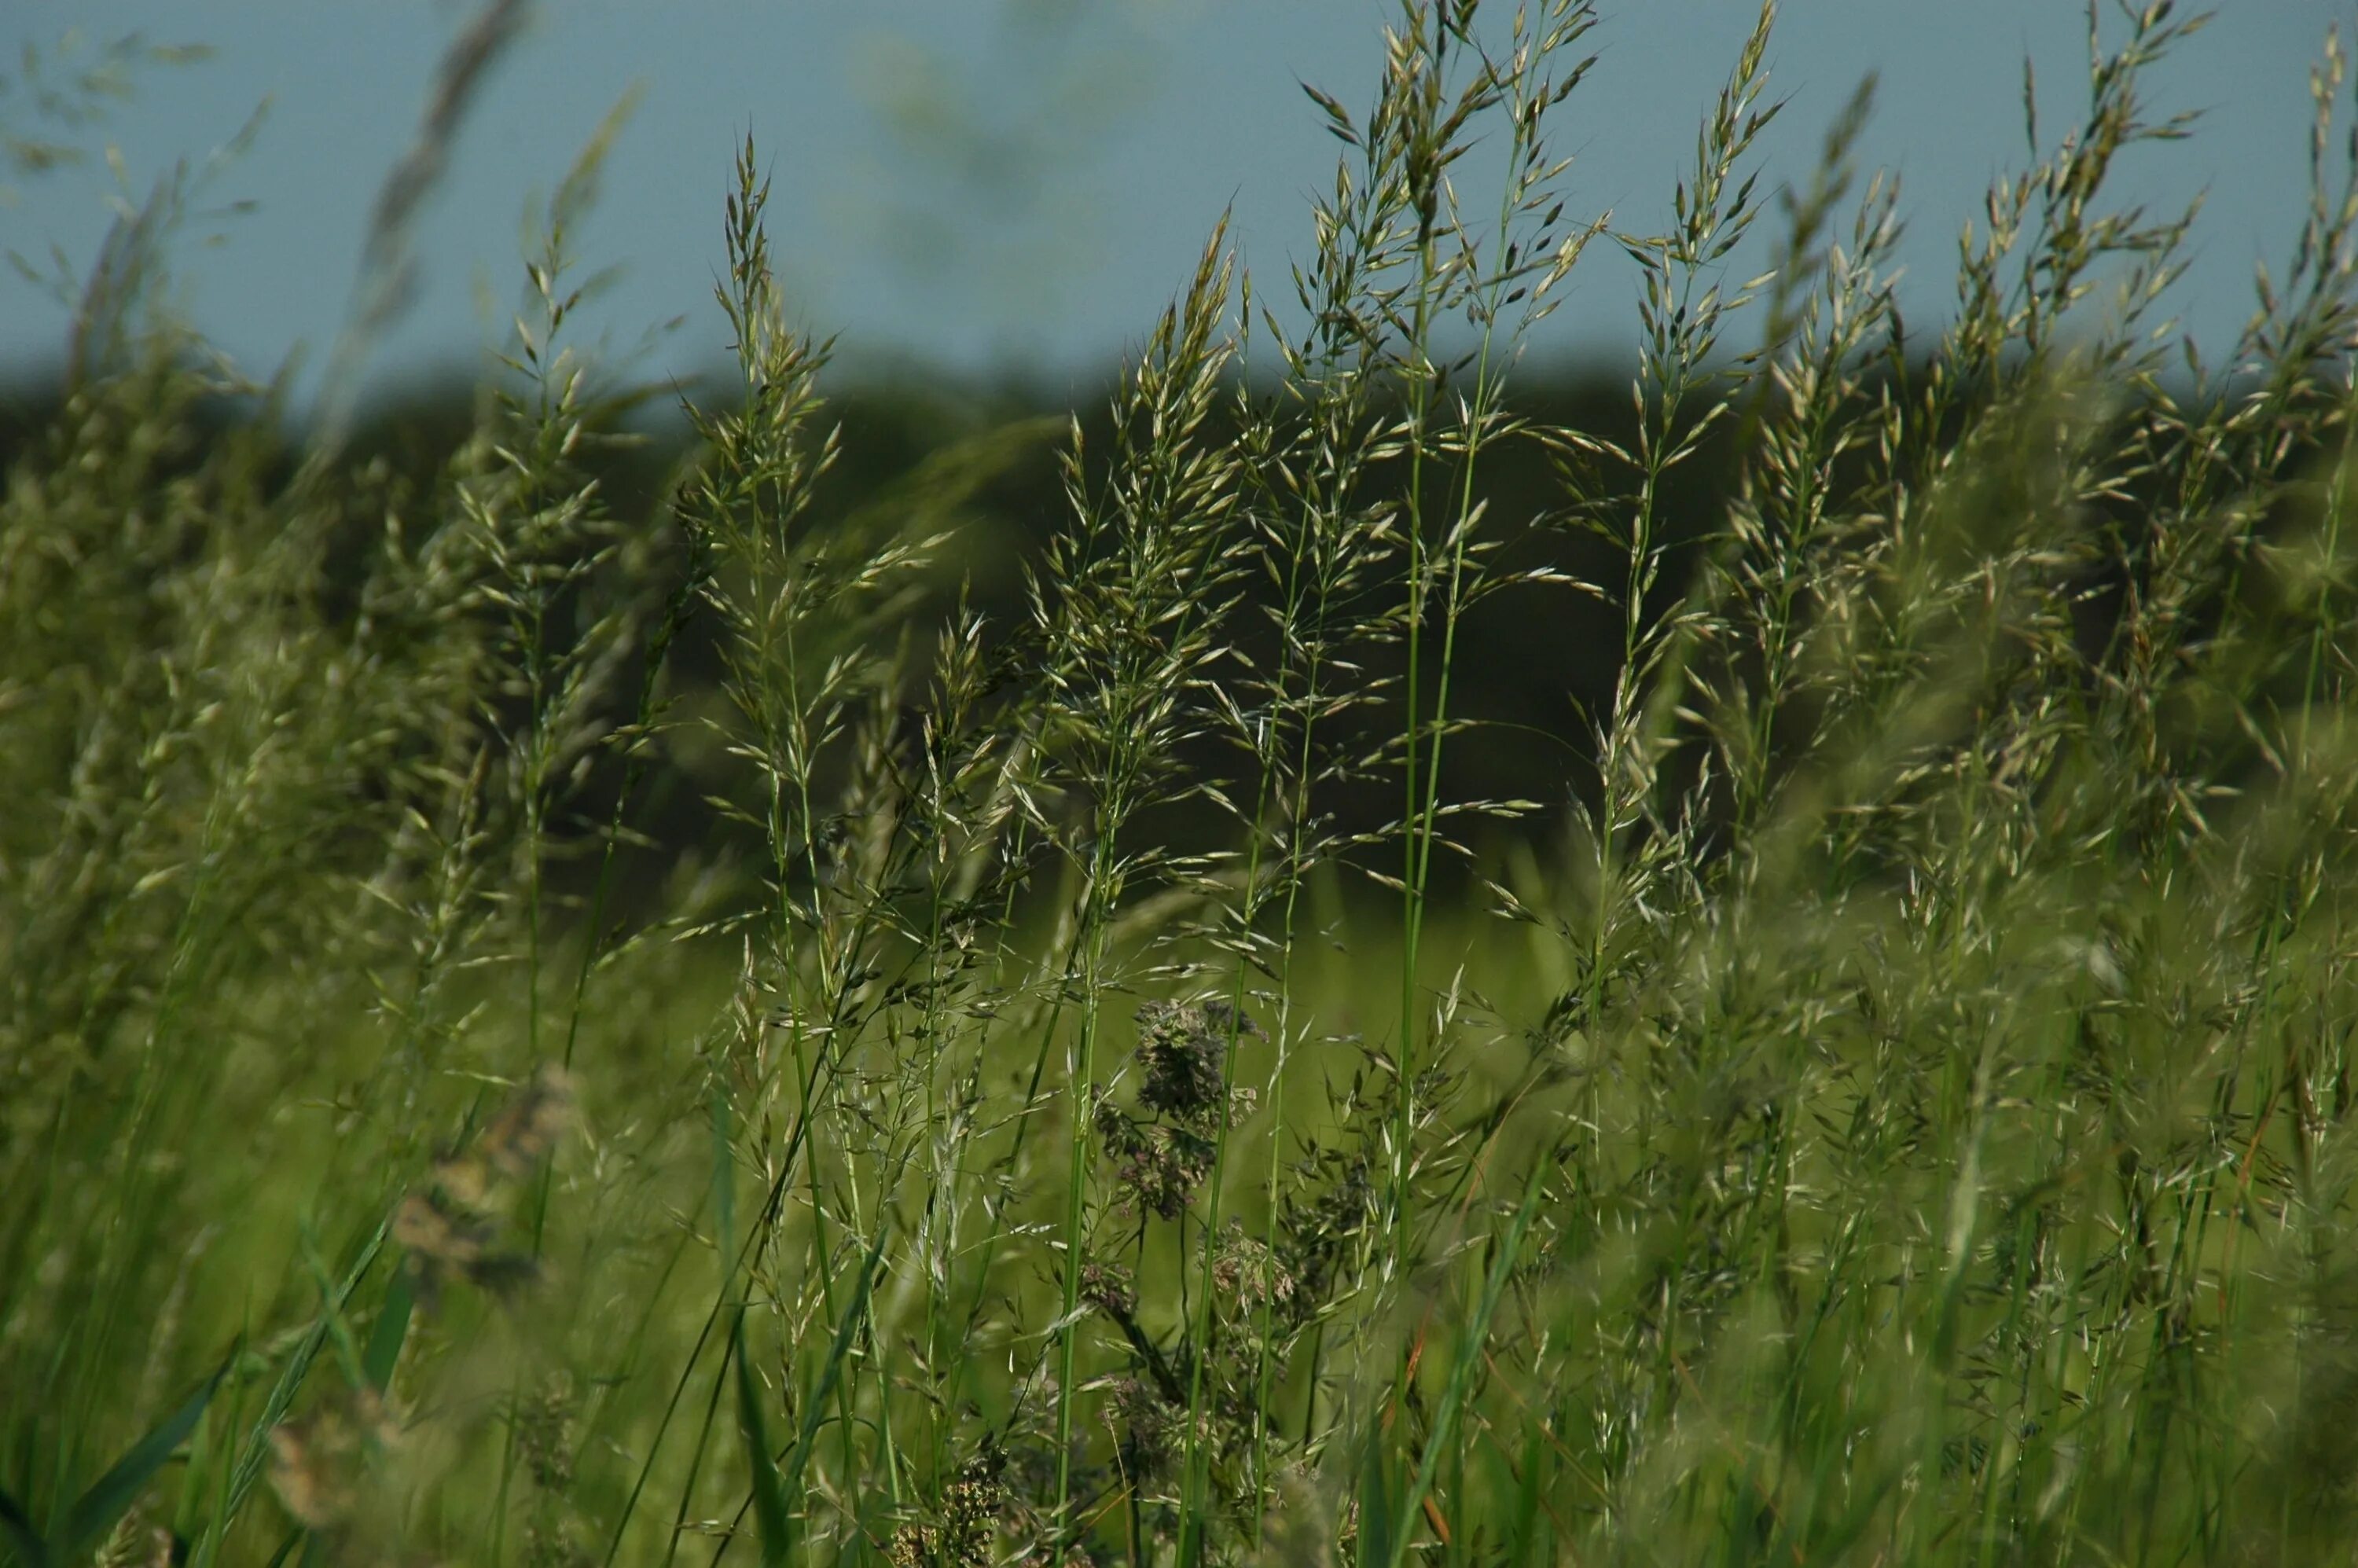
{"x":1891,"y":1102}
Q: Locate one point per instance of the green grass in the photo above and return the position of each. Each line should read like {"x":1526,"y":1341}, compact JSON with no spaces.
{"x":1890,"y":1105}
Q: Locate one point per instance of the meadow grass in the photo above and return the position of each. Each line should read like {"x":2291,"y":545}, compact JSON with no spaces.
{"x":1890,"y":1106}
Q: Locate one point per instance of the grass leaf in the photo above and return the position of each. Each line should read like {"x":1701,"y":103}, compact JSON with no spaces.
{"x":816,"y":1409}
{"x":30,"y":1548}
{"x":1375,"y":1501}
{"x":96,"y":1510}
{"x":769,"y":1492}
{"x":392,"y":1326}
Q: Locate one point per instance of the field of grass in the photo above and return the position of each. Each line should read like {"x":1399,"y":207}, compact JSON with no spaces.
{"x":1093,"y":1091}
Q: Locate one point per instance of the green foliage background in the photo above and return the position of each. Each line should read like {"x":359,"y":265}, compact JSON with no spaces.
{"x":1353,"y":954}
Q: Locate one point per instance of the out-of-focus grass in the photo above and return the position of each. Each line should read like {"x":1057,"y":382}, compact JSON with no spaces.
{"x":1889,"y":1106}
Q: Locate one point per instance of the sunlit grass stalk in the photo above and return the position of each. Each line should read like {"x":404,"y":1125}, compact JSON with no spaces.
{"x":1130,"y":634}
{"x":1916,"y":1127}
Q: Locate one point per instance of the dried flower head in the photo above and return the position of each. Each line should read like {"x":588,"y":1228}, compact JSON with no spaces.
{"x":1166,"y":1153}
{"x":317,"y":1464}
{"x":1248,"y":1273}
{"x":1159,"y":1166}
{"x":1108,"y":1288}
{"x":449,"y":1227}
{"x":136,"y":1544}
{"x":544,"y":1432}
{"x":516,"y":1140}
{"x":432,"y":1228}
{"x":445,"y":1243}
{"x":1185,"y":1051}
{"x":513,"y":1143}
{"x":962,"y":1534}
{"x":1146,"y":1429}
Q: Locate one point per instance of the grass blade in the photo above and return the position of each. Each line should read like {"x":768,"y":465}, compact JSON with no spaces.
{"x":1475,"y":1336}
{"x":384,"y":1341}
{"x":1375,"y":1502}
{"x":30,"y":1548}
{"x":768,"y":1491}
{"x":815,"y":1411}
{"x":97,"y":1509}
{"x":776,"y":1495}
{"x":252,"y":1456}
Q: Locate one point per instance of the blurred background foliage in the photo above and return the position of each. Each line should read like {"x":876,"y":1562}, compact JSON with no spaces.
{"x":980,"y":463}
{"x":1343,"y":948}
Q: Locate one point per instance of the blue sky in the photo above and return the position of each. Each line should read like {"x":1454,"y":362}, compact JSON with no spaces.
{"x":994,"y":184}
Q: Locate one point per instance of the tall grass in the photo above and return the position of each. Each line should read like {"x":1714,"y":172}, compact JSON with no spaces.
{"x":1889,"y":1106}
